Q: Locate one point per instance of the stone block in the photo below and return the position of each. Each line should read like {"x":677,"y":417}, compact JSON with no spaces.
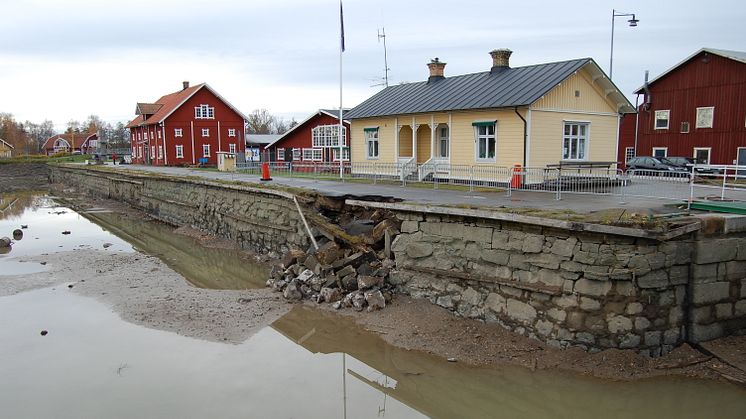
{"x":594,"y":323}
{"x":675,"y":315}
{"x":410,"y":226}
{"x":518,"y":261}
{"x":703,"y":333}
{"x":671,"y":336}
{"x":533,"y":243}
{"x":471,"y":296}
{"x":496,"y":256}
{"x":495,"y":302}
{"x":520,"y":311}
{"x":544,"y":328}
{"x":556,"y":314}
{"x":571,"y":266}
{"x":589,"y":304}
{"x":619,"y":324}
{"x":639,"y":264}
{"x":653,"y":338}
{"x":641,"y":324}
{"x":740,"y":308}
{"x":586,"y":338}
{"x":678,"y":275}
{"x":566,"y":301}
{"x":547,"y":277}
{"x":478,"y":234}
{"x":584,"y":257}
{"x":716,"y":250}
{"x":590,"y":287}
{"x":724,"y":310}
{"x":657,"y":260}
{"x":416,"y":250}
{"x":625,"y":288}
{"x":743,"y":289}
{"x":634,"y":308}
{"x":629,"y":341}
{"x":654,"y":279}
{"x":735,"y":270}
{"x":710,"y":292}
{"x":500,"y":239}
{"x":705,"y":273}
{"x":564,"y":247}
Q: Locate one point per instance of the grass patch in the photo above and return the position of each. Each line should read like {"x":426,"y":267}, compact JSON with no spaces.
{"x":42,"y":158}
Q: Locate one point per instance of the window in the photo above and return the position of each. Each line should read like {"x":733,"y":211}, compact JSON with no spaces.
{"x":159,"y":134}
{"x":160,"y":151}
{"x":684,"y":128}
{"x":205,"y":150}
{"x":345,"y":154}
{"x":133,"y":137}
{"x":152,"y":151}
{"x":313,"y":154}
{"x":280,"y":154}
{"x":205,"y":132}
{"x":204,"y":112}
{"x":179,"y":151}
{"x":327,"y":135}
{"x":371,"y":143}
{"x":629,"y":152}
{"x":702,"y":155}
{"x":296,"y":154}
{"x":178,"y":132}
{"x":661,"y":119}
{"x":231,"y":132}
{"x":486,"y":141}
{"x":575,"y":141}
{"x":443,"y":142}
{"x":145,"y":135}
{"x":704,"y":117}
{"x":232,"y":148}
{"x":659,"y":152}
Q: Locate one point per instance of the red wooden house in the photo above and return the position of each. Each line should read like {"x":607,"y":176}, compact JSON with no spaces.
{"x":186,"y":127}
{"x":84,"y":143}
{"x":696,"y":109}
{"x":313,"y":140}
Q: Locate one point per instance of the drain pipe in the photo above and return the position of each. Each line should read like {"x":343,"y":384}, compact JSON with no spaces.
{"x":525,"y":135}
{"x":305,"y":223}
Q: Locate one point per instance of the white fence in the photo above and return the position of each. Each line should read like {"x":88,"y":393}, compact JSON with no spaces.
{"x":727,"y":182}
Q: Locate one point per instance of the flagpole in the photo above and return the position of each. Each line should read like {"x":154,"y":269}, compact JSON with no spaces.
{"x":340,"y":129}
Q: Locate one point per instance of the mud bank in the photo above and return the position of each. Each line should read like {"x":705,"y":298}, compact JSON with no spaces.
{"x":18,"y":177}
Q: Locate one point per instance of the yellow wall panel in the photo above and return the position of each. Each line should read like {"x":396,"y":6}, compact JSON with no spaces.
{"x":562,"y":97}
{"x":547,"y":130}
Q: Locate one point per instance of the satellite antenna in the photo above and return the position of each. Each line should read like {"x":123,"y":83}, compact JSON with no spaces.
{"x":382,"y":35}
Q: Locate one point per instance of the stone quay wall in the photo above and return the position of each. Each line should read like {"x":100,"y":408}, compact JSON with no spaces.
{"x":570,"y":288}
{"x":264,"y":221}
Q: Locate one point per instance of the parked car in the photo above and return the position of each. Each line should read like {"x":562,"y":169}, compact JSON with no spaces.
{"x":687,"y":163}
{"x":643,"y":163}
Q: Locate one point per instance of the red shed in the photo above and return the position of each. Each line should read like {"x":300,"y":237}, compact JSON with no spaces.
{"x":186,"y":127}
{"x":695,"y":109}
{"x":312,"y":140}
{"x":81,"y":143}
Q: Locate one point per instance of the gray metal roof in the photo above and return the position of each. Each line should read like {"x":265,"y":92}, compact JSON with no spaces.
{"x":520,"y":86}
{"x":261,"y":138}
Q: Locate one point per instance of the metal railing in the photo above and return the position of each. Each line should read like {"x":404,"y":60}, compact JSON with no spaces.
{"x":699,"y":182}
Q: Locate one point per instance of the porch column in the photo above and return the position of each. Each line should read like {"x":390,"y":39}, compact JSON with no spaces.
{"x":449,"y":136}
{"x":414,"y":139}
{"x":396,"y":140}
{"x":432,"y":136}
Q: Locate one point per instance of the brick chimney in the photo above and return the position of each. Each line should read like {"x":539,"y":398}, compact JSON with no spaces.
{"x":185,"y":84}
{"x":436,"y":70}
{"x":500,"y":59}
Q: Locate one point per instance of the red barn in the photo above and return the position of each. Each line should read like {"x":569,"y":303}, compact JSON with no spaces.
{"x":186,"y":127}
{"x":696,"y":109}
{"x":313,"y":140}
{"x":84,"y":143}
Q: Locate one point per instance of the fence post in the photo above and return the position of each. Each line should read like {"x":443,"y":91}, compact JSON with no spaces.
{"x":290,"y":168}
{"x":435,"y":176}
{"x":559,"y":185}
{"x":471,"y":178}
{"x":691,"y":190}
{"x":510,"y":184}
{"x":725,"y":177}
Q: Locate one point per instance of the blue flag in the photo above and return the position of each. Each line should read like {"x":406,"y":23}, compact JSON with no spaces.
{"x":342,"y":25}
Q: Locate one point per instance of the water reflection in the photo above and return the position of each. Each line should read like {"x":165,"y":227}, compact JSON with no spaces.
{"x":201,"y":266}
{"x":12,"y":205}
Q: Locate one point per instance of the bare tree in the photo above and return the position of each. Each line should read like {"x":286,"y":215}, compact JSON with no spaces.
{"x":260,"y":121}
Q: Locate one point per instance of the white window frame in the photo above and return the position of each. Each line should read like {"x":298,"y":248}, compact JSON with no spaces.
{"x":659,"y":115}
{"x":665,"y":152}
{"x":345,"y":154}
{"x":480,"y":136}
{"x":205,"y":150}
{"x":313,"y":154}
{"x":178,"y":132}
{"x":159,"y":134}
{"x":152,"y":151}
{"x":372,"y":144}
{"x":204,"y":111}
{"x":179,"y":151}
{"x":145,"y":135}
{"x":705,"y":124}
{"x":326,"y":136}
{"x":160,"y":152}
{"x":297,"y":153}
{"x":281,"y":154}
{"x":205,"y":132}
{"x":627,"y":154}
{"x":444,"y":140}
{"x":709,"y":154}
{"x":232,"y":148}
{"x":585,"y":139}
{"x":231,"y":132}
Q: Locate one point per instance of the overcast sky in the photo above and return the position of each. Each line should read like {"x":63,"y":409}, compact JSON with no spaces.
{"x":64,"y":60}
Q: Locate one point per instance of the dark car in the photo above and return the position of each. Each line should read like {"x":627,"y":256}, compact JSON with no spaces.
{"x":645,"y":163}
{"x":687,"y":163}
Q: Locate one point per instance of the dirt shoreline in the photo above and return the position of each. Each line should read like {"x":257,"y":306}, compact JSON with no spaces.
{"x":145,"y":291}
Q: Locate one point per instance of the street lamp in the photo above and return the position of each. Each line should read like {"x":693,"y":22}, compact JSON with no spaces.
{"x":632,"y":23}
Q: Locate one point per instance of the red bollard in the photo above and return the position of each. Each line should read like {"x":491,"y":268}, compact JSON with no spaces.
{"x":516,"y":180}
{"x":265,"y":172}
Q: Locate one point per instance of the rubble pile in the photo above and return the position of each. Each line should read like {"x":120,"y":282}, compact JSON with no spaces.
{"x":335,"y":276}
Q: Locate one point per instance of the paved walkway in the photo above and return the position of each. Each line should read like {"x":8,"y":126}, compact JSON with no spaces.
{"x":579,"y":203}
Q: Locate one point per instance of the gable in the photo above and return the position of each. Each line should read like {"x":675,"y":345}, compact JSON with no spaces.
{"x":705,"y":68}
{"x":578,"y":92}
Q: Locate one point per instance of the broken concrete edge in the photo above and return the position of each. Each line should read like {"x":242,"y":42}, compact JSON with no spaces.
{"x":526,"y":219}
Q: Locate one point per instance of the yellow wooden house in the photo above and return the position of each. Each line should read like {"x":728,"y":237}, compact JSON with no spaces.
{"x":6,"y":150}
{"x":533,"y":116}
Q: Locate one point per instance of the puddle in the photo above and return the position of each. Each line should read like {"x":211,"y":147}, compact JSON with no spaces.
{"x":104,"y":230}
{"x":309,"y":364}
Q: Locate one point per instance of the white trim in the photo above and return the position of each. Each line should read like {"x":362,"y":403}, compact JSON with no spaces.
{"x":209,"y":152}
{"x":634,"y":153}
{"x":450,"y":136}
{"x":7,"y":144}
{"x":709,"y":154}
{"x":219,"y":145}
{"x":165,"y":149}
{"x":488,"y":160}
{"x":665,"y":151}
{"x":205,"y":130}
{"x":696,"y":117}
{"x":575,"y":112}
{"x":738,"y":149}
{"x":528,"y":137}
{"x":191,"y":131}
{"x":197,"y":90}
{"x":396,"y":139}
{"x":179,"y":146}
{"x":178,"y":132}
{"x":303,"y":122}
{"x":655,"y":119}
{"x":618,"y":126}
{"x":587,"y":151}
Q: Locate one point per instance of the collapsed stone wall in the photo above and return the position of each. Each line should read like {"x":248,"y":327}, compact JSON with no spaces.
{"x":584,"y":289}
{"x":261,"y":221}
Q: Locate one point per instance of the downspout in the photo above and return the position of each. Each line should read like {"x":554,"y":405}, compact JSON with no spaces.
{"x":525,"y":134}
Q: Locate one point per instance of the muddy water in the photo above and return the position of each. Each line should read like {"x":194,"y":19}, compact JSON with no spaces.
{"x":46,"y":221}
{"x":308,"y":364}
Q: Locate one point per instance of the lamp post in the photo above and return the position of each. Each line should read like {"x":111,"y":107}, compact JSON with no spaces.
{"x":632,"y":23}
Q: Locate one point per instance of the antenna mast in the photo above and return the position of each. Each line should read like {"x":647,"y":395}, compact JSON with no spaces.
{"x":382,"y":35}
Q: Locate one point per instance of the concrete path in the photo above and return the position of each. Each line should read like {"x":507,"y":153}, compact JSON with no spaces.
{"x":425,"y":194}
